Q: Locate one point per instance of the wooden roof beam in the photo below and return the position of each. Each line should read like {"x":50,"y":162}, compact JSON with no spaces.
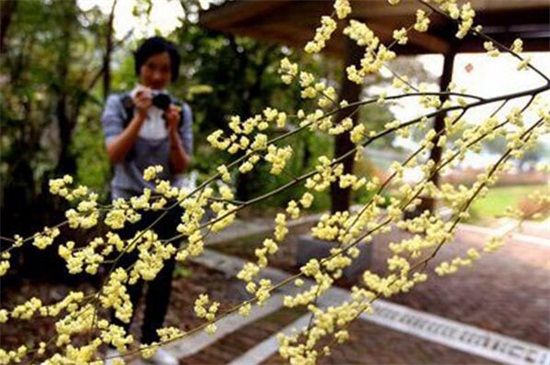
{"x":235,"y":12}
{"x":427,"y":41}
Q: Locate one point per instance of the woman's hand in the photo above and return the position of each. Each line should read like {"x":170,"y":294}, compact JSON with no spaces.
{"x":178,"y":157}
{"x":173,"y":119}
{"x":143,"y":101}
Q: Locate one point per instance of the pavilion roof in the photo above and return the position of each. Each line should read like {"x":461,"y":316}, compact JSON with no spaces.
{"x":293,"y":22}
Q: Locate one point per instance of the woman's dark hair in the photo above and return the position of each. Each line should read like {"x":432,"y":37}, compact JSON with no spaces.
{"x":156,"y":45}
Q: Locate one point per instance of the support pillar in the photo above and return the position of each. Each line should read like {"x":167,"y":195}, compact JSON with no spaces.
{"x":351,"y":92}
{"x":439,"y":124}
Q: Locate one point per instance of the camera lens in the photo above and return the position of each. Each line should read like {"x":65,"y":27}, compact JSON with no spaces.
{"x":161,"y":101}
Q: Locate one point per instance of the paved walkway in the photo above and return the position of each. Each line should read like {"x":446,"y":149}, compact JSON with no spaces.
{"x":496,"y":312}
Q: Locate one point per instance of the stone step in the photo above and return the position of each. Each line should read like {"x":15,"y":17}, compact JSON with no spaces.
{"x":233,"y":346}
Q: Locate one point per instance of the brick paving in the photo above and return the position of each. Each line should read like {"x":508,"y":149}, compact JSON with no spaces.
{"x":232,"y":346}
{"x":371,"y":344}
{"x":507,"y":292}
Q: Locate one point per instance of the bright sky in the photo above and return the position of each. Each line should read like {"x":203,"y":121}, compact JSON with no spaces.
{"x":485,"y":76}
{"x":165,"y":15}
{"x":490,"y":75}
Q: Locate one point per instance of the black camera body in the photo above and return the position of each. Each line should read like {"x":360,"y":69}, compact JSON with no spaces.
{"x":161,"y":100}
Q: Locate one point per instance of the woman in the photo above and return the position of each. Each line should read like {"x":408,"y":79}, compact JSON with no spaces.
{"x":142,"y":129}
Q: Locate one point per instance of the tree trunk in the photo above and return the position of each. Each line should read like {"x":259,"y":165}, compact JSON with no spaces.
{"x":7,"y":9}
{"x":66,"y":121}
{"x":108,"y":52}
{"x":18,"y":189}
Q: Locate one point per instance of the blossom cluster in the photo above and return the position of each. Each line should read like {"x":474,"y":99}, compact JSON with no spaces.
{"x":376,"y":53}
{"x":208,"y":313}
{"x":86,"y":214}
{"x":152,"y":254}
{"x":301,"y":346}
{"x":322,"y":35}
{"x":242,"y":140}
{"x":326,"y":174}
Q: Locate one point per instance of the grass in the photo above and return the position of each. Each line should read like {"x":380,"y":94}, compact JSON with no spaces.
{"x":496,"y":201}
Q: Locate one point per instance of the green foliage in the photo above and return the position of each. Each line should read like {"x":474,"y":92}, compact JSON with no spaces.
{"x":374,"y":117}
{"x":242,"y":76}
{"x":50,"y":73}
{"x":181,"y":271}
{"x":496,"y":201}
{"x":124,"y":75}
{"x":93,"y":166}
{"x":366,"y":196}
{"x":540,"y":152}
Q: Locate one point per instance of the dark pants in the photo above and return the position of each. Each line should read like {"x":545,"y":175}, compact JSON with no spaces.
{"x":158,"y":292}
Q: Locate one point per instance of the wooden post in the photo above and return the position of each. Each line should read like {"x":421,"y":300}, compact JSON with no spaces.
{"x":439,"y":124}
{"x":351,"y":92}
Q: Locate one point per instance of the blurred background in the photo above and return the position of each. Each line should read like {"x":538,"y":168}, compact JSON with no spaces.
{"x":61,"y":59}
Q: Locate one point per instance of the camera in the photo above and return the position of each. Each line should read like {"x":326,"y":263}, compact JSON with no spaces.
{"x":161,"y":100}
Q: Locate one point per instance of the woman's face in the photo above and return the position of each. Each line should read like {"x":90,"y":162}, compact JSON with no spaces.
{"x":156,"y":72}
